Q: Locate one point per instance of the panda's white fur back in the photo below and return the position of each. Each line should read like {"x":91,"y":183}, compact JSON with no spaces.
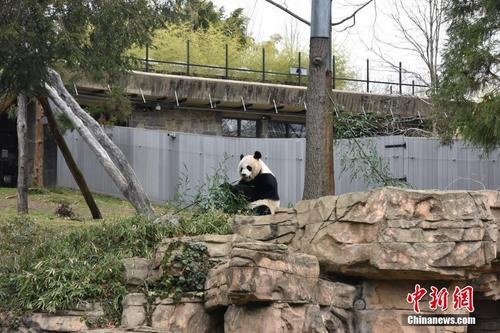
{"x":265,"y":168}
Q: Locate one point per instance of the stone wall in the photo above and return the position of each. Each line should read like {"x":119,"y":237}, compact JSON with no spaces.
{"x":336,"y":264}
{"x":175,"y":120}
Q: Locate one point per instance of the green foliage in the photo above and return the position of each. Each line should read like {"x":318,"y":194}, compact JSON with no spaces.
{"x":116,"y":108}
{"x":359,"y":156}
{"x":169,"y":44}
{"x":53,"y":272}
{"x":45,"y":270}
{"x":202,"y":14}
{"x":361,"y":160}
{"x":213,"y":197}
{"x":21,"y":241}
{"x":469,"y":88}
{"x":90,"y":36}
{"x":185,"y":267}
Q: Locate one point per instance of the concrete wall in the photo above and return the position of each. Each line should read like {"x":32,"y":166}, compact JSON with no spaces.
{"x":175,"y":120}
{"x":152,"y":85}
{"x":161,"y":159}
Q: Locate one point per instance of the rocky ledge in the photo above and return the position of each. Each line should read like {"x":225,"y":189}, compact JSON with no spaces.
{"x":336,"y":264}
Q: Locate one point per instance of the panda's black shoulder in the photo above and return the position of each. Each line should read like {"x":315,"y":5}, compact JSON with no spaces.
{"x":265,"y":178}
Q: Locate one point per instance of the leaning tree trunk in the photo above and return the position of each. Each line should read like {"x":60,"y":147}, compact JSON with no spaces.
{"x":22,"y":144}
{"x":102,"y":155}
{"x":319,"y":123}
{"x":39,"y":140}
{"x":6,"y":102}
{"x":70,"y":162}
{"x":135,"y":190}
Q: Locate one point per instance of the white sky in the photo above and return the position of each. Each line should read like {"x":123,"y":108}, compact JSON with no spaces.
{"x":266,"y":20}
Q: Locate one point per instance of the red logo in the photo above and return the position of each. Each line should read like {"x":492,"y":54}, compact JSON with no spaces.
{"x":439,"y":299}
{"x":415,"y":297}
{"x":463,"y":298}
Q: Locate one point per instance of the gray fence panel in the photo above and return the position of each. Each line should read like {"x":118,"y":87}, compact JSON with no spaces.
{"x":162,"y":160}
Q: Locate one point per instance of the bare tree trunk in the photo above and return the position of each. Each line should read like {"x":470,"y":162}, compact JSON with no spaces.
{"x":39,"y":139}
{"x":22,"y":144}
{"x":70,"y":162}
{"x":102,"y":155}
{"x":319,"y":179}
{"x":135,"y":190}
{"x":6,"y":102}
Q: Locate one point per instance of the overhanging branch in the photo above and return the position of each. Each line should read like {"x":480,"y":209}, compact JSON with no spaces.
{"x":352,"y":15}
{"x":288,"y":12}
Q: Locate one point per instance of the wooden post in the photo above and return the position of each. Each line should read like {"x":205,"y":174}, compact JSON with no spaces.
{"x":22,"y":145}
{"x":319,"y":179}
{"x":39,"y":140}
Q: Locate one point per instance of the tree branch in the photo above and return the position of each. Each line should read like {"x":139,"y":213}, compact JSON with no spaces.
{"x":352,"y":15}
{"x":288,"y":12}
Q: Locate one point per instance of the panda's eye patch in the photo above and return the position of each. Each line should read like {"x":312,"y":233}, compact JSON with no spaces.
{"x":249,"y":168}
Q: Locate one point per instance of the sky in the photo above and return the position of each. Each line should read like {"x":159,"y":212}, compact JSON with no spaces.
{"x":373,"y":23}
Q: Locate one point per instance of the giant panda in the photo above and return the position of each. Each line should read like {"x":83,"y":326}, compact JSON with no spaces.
{"x":257,"y":184}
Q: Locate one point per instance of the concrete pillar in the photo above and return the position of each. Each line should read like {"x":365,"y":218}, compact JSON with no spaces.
{"x":262,"y":127}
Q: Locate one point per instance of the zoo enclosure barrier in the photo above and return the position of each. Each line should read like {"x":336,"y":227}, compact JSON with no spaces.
{"x":161,"y":159}
{"x":298,"y":77}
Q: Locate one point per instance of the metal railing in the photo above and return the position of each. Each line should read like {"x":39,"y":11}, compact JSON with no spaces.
{"x":187,"y":67}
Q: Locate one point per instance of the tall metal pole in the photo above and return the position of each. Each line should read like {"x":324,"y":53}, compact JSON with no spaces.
{"x":319,"y":179}
{"x":367,"y":75}
{"x":147,"y":58}
{"x":334,"y":84}
{"x":227,"y":62}
{"x":263,"y":65}
{"x":187,"y":57}
{"x":300,"y":67}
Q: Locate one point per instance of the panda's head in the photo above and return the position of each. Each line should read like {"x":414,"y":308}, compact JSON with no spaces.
{"x":250,"y":166}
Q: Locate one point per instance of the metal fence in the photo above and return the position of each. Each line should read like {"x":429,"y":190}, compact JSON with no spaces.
{"x":161,"y":160}
{"x":299,"y":77}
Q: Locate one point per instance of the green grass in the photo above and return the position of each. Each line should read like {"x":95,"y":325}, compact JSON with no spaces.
{"x":50,"y":263}
{"x":43,"y":202}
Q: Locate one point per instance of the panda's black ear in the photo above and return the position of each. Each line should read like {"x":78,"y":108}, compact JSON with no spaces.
{"x":241,"y":156}
{"x":257,"y":155}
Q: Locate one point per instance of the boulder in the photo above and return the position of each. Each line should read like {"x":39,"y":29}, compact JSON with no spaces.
{"x":134,"y":310}
{"x":136,"y":270}
{"x":281,"y":318}
{"x":388,"y":233}
{"x":184,"y":316}
{"x":266,"y":272}
{"x":55,"y":323}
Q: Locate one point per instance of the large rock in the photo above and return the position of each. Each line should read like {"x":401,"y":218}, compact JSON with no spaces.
{"x":184,"y":316}
{"x":55,"y":323}
{"x":265,"y":272}
{"x":276,"y":228}
{"x":281,"y":318}
{"x":262,"y":272}
{"x":388,"y":233}
{"x":134,"y":310}
{"x":136,"y":270}
{"x":218,"y":247}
